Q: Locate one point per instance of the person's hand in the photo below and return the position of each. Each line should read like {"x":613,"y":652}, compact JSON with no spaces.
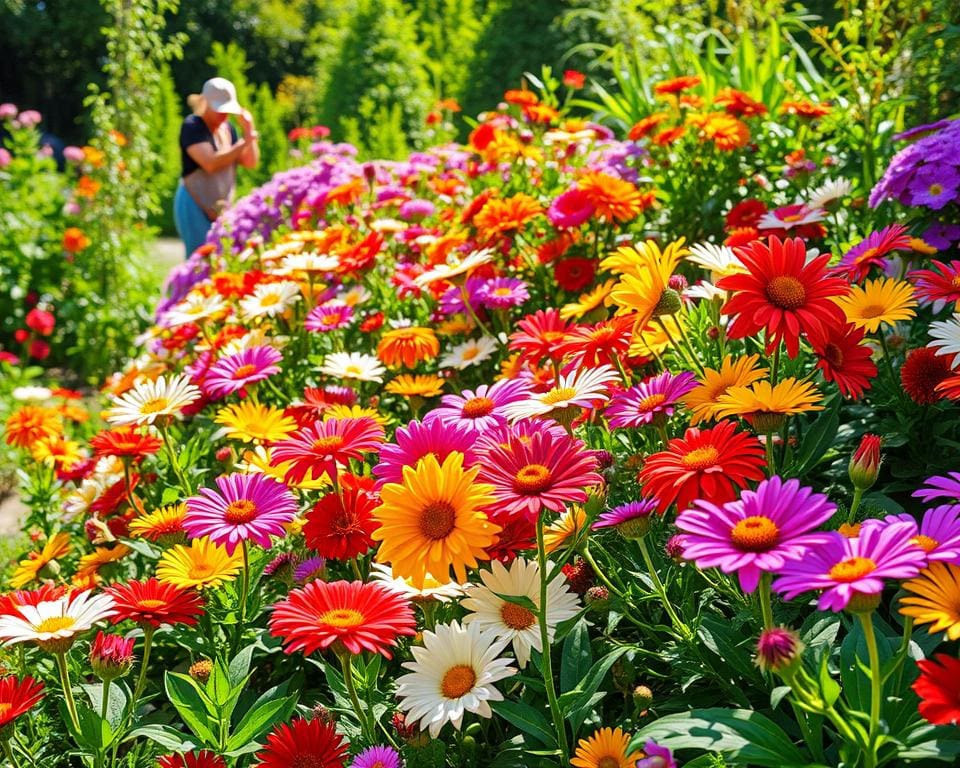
{"x":246,"y":122}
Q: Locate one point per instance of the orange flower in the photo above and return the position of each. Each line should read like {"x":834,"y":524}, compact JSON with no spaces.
{"x":74,"y":240}
{"x":31,"y":423}
{"x":738,"y":103}
{"x":408,"y":346}
{"x":450,"y":105}
{"x":613,"y":198}
{"x":647,"y":124}
{"x":347,"y":193}
{"x":667,"y":137}
{"x":523,"y":98}
{"x":118,"y":138}
{"x":804,"y":108}
{"x":504,"y":215}
{"x":87,"y":187}
{"x":724,"y":130}
{"x":540,"y":113}
{"x":677,"y":84}
{"x":92,"y":156}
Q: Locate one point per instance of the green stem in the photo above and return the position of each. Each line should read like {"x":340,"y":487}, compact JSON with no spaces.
{"x":67,"y":690}
{"x":678,"y":625}
{"x":775,"y":370}
{"x":144,"y":664}
{"x":855,"y":505}
{"x":174,"y":461}
{"x":547,"y":662}
{"x":765,"y":605}
{"x":688,"y":345}
{"x":9,"y":753}
{"x":876,"y":681}
{"x":104,"y":708}
{"x":768,"y":447}
{"x":888,"y":361}
{"x":346,"y":666}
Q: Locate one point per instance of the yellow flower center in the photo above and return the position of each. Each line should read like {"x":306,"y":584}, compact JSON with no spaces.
{"x":4,"y":708}
{"x":151,"y":604}
{"x":516,"y":616}
{"x":608,"y":761}
{"x":852,"y":568}
{"x":558,"y":395}
{"x":701,"y":458}
{"x":331,"y":318}
{"x":955,"y":282}
{"x":457,"y":681}
{"x":244,"y":370}
{"x":936,"y":189}
{"x":786,"y":292}
{"x":502,"y":292}
{"x":270,"y":299}
{"x":470,"y":353}
{"x":651,"y":401}
{"x":343,"y":618}
{"x":866,"y":255}
{"x":438,"y":519}
{"x":756,"y":533}
{"x":240,"y":511}
{"x":533,"y":478}
{"x":200,"y":571}
{"x":476,"y":407}
{"x":327,"y":444}
{"x":926,"y":543}
{"x":155,"y":405}
{"x":872,"y":310}
{"x":552,"y":337}
{"x":791,"y":218}
{"x":353,"y":370}
{"x":55,"y":624}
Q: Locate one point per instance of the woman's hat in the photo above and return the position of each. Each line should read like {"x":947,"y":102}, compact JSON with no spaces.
{"x":221,"y":96}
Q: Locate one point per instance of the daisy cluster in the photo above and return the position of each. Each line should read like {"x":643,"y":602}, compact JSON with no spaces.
{"x":465,"y":434}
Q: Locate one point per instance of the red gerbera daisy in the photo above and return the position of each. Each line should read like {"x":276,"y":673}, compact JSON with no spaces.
{"x":313,"y":743}
{"x":356,"y":616}
{"x":17,"y":696}
{"x":843,"y":358}
{"x":539,"y":335}
{"x":319,"y":447}
{"x":547,"y":468}
{"x":739,"y":236}
{"x":10,"y":602}
{"x":939,"y":689}
{"x":202,"y":759}
{"x":745,"y":214}
{"x":154,"y":603}
{"x":589,"y":346}
{"x":922,"y":373}
{"x":340,"y":524}
{"x":575,"y":273}
{"x":709,"y":464}
{"x":125,"y":441}
{"x":942,"y":283}
{"x":782,"y":294}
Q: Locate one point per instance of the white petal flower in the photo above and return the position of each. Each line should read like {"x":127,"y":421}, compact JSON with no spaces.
{"x":194,"y":307}
{"x":470,"y":352}
{"x":149,"y":400}
{"x":312,"y":263}
{"x":946,"y":337}
{"x":431,"y":587}
{"x":586,"y":388}
{"x":719,"y":260}
{"x":270,"y":299}
{"x":454,"y":267}
{"x":828,"y":192}
{"x":32,"y":393}
{"x":353,"y":365}
{"x":706,"y":290}
{"x":55,"y":623}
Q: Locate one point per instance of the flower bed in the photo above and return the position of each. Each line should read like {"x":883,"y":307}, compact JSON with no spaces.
{"x":474,"y":460}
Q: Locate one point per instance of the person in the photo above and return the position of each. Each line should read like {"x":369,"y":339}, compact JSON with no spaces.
{"x":210,"y":151}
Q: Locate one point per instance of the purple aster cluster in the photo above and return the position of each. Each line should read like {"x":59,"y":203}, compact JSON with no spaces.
{"x":925,"y":173}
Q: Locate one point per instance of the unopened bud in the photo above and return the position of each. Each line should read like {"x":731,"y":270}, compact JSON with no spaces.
{"x":111,"y":656}
{"x":201,"y":670}
{"x":669,"y":304}
{"x":642,"y":697}
{"x":323,"y":714}
{"x":597,"y":597}
{"x":865,"y":462}
{"x":778,"y":648}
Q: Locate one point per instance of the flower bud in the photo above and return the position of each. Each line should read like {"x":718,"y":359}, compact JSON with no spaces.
{"x":778,"y":648}
{"x":865,"y":462}
{"x":323,"y":714}
{"x":642,"y":697}
{"x":201,"y":670}
{"x":597,"y":598}
{"x":670,"y":303}
{"x":111,"y":656}
{"x":674,"y":547}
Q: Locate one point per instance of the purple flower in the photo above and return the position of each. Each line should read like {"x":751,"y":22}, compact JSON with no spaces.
{"x":377,"y":757}
{"x":416,"y":440}
{"x":942,"y":235}
{"x":451,"y":302}
{"x":938,"y":533}
{"x":935,"y":186}
{"x":480,"y":409}
{"x":758,"y":533}
{"x":234,"y":372}
{"x":502,"y":293}
{"x":329,"y":316}
{"x":656,"y":757}
{"x":923,"y":173}
{"x":571,"y":209}
{"x":73,"y":154}
{"x":777,"y":647}
{"x":921,"y":130}
{"x":309,"y":570}
{"x":417,"y":210}
{"x":655,"y":397}
{"x":939,"y":487}
{"x":853,"y":569}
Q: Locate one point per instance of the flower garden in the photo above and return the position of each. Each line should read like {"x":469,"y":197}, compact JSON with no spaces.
{"x":569,"y":444}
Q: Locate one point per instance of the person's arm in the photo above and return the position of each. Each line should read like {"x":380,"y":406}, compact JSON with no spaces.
{"x":250,"y":156}
{"x":211,"y":160}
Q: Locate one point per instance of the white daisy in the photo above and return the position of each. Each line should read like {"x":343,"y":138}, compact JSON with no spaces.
{"x":53,"y":625}
{"x":258,"y":337}
{"x":451,"y":674}
{"x":513,"y":621}
{"x":454,"y":267}
{"x":805,"y":215}
{"x":78,"y":501}
{"x":706,"y":290}
{"x":390,"y":226}
{"x":828,"y":192}
{"x":431,"y":587}
{"x":470,"y":352}
{"x":149,"y":400}
{"x":946,"y":337}
{"x":353,"y":365}
{"x":719,"y":260}
{"x":314,"y":263}
{"x":585,"y":388}
{"x":194,"y":307}
{"x":353,"y":297}
{"x":270,"y":299}
{"x":32,"y":393}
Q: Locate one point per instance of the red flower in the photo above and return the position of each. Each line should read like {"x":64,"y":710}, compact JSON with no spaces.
{"x":10,"y":602}
{"x":575,"y":273}
{"x":595,"y":345}
{"x":40,"y":321}
{"x":17,"y":696}
{"x":922,"y":373}
{"x":844,"y":359}
{"x":738,"y":103}
{"x":320,"y":447}
{"x":539,"y":336}
{"x":745,"y":214}
{"x":677,"y":84}
{"x":709,"y":464}
{"x":939,"y":689}
{"x":39,"y":350}
{"x":151,"y":602}
{"x":782,"y":294}
{"x":741,"y":236}
{"x":939,"y":284}
{"x":313,"y":743}
{"x":573,"y":79}
{"x":202,"y":759}
{"x":125,"y":441}
{"x":372,"y":322}
{"x":356,"y":616}
{"x":339,"y":525}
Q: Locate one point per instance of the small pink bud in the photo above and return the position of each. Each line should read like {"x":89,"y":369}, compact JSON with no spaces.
{"x":778,"y":648}
{"x":865,"y":462}
{"x":111,"y":656}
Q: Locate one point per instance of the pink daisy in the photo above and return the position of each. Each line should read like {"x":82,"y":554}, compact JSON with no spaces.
{"x":939,"y":487}
{"x":480,"y":409}
{"x":655,"y":397}
{"x":937,"y":534}
{"x":418,"y":439}
{"x":937,"y":286}
{"x":571,"y":209}
{"x":870,"y":252}
{"x":756,"y":533}
{"x":320,"y":447}
{"x":500,"y":435}
{"x":503,"y":293}
{"x":247,"y":507}
{"x":852,"y":569}
{"x":234,"y":372}
{"x":329,"y":317}
{"x":547,"y":470}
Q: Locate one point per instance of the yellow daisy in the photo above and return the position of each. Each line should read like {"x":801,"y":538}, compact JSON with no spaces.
{"x":407,"y":385}
{"x":642,"y":290}
{"x":588,"y":302}
{"x":741,"y":372}
{"x":255,"y":423}
{"x":258,"y":460}
{"x":164,"y":525}
{"x":935,"y":599}
{"x":202,"y":564}
{"x":56,"y":450}
{"x":764,"y":406}
{"x":29,"y":569}
{"x":566,"y":527}
{"x":607,"y":748}
{"x":879,"y":302}
{"x":90,"y":564}
{"x":433,"y":521}
{"x":458,"y":325}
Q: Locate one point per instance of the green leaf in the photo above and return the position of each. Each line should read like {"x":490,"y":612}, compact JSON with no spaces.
{"x":818,"y":440}
{"x":259,"y":719}
{"x":522,"y":600}
{"x":581,"y":705}
{"x":166,"y":736}
{"x":191,"y":705}
{"x":116,"y":706}
{"x":170,"y":495}
{"x":576,"y":657}
{"x":529,"y":720}
{"x":240,"y":665}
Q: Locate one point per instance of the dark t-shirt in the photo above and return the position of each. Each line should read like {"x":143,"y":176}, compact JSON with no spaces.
{"x":195,"y":131}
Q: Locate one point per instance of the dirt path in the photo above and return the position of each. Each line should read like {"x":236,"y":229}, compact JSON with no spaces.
{"x":12,"y":514}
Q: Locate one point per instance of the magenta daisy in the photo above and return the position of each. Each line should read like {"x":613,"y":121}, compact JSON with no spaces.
{"x":632,"y":519}
{"x":937,"y":286}
{"x":937,"y":534}
{"x":480,"y":409}
{"x":329,"y":316}
{"x":500,"y":435}
{"x":653,"y":398}
{"x":377,"y":757}
{"x":503,"y":293}
{"x":234,"y":372}
{"x":940,"y":487}
{"x":546,"y":470}
{"x":853,"y":570}
{"x":418,"y":439}
{"x":756,"y":533}
{"x":319,"y":448}
{"x":252,"y":507}
{"x":570,"y":209}
{"x":870,"y":252}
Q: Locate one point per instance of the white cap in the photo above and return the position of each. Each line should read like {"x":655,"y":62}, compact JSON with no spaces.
{"x":221,"y":96}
